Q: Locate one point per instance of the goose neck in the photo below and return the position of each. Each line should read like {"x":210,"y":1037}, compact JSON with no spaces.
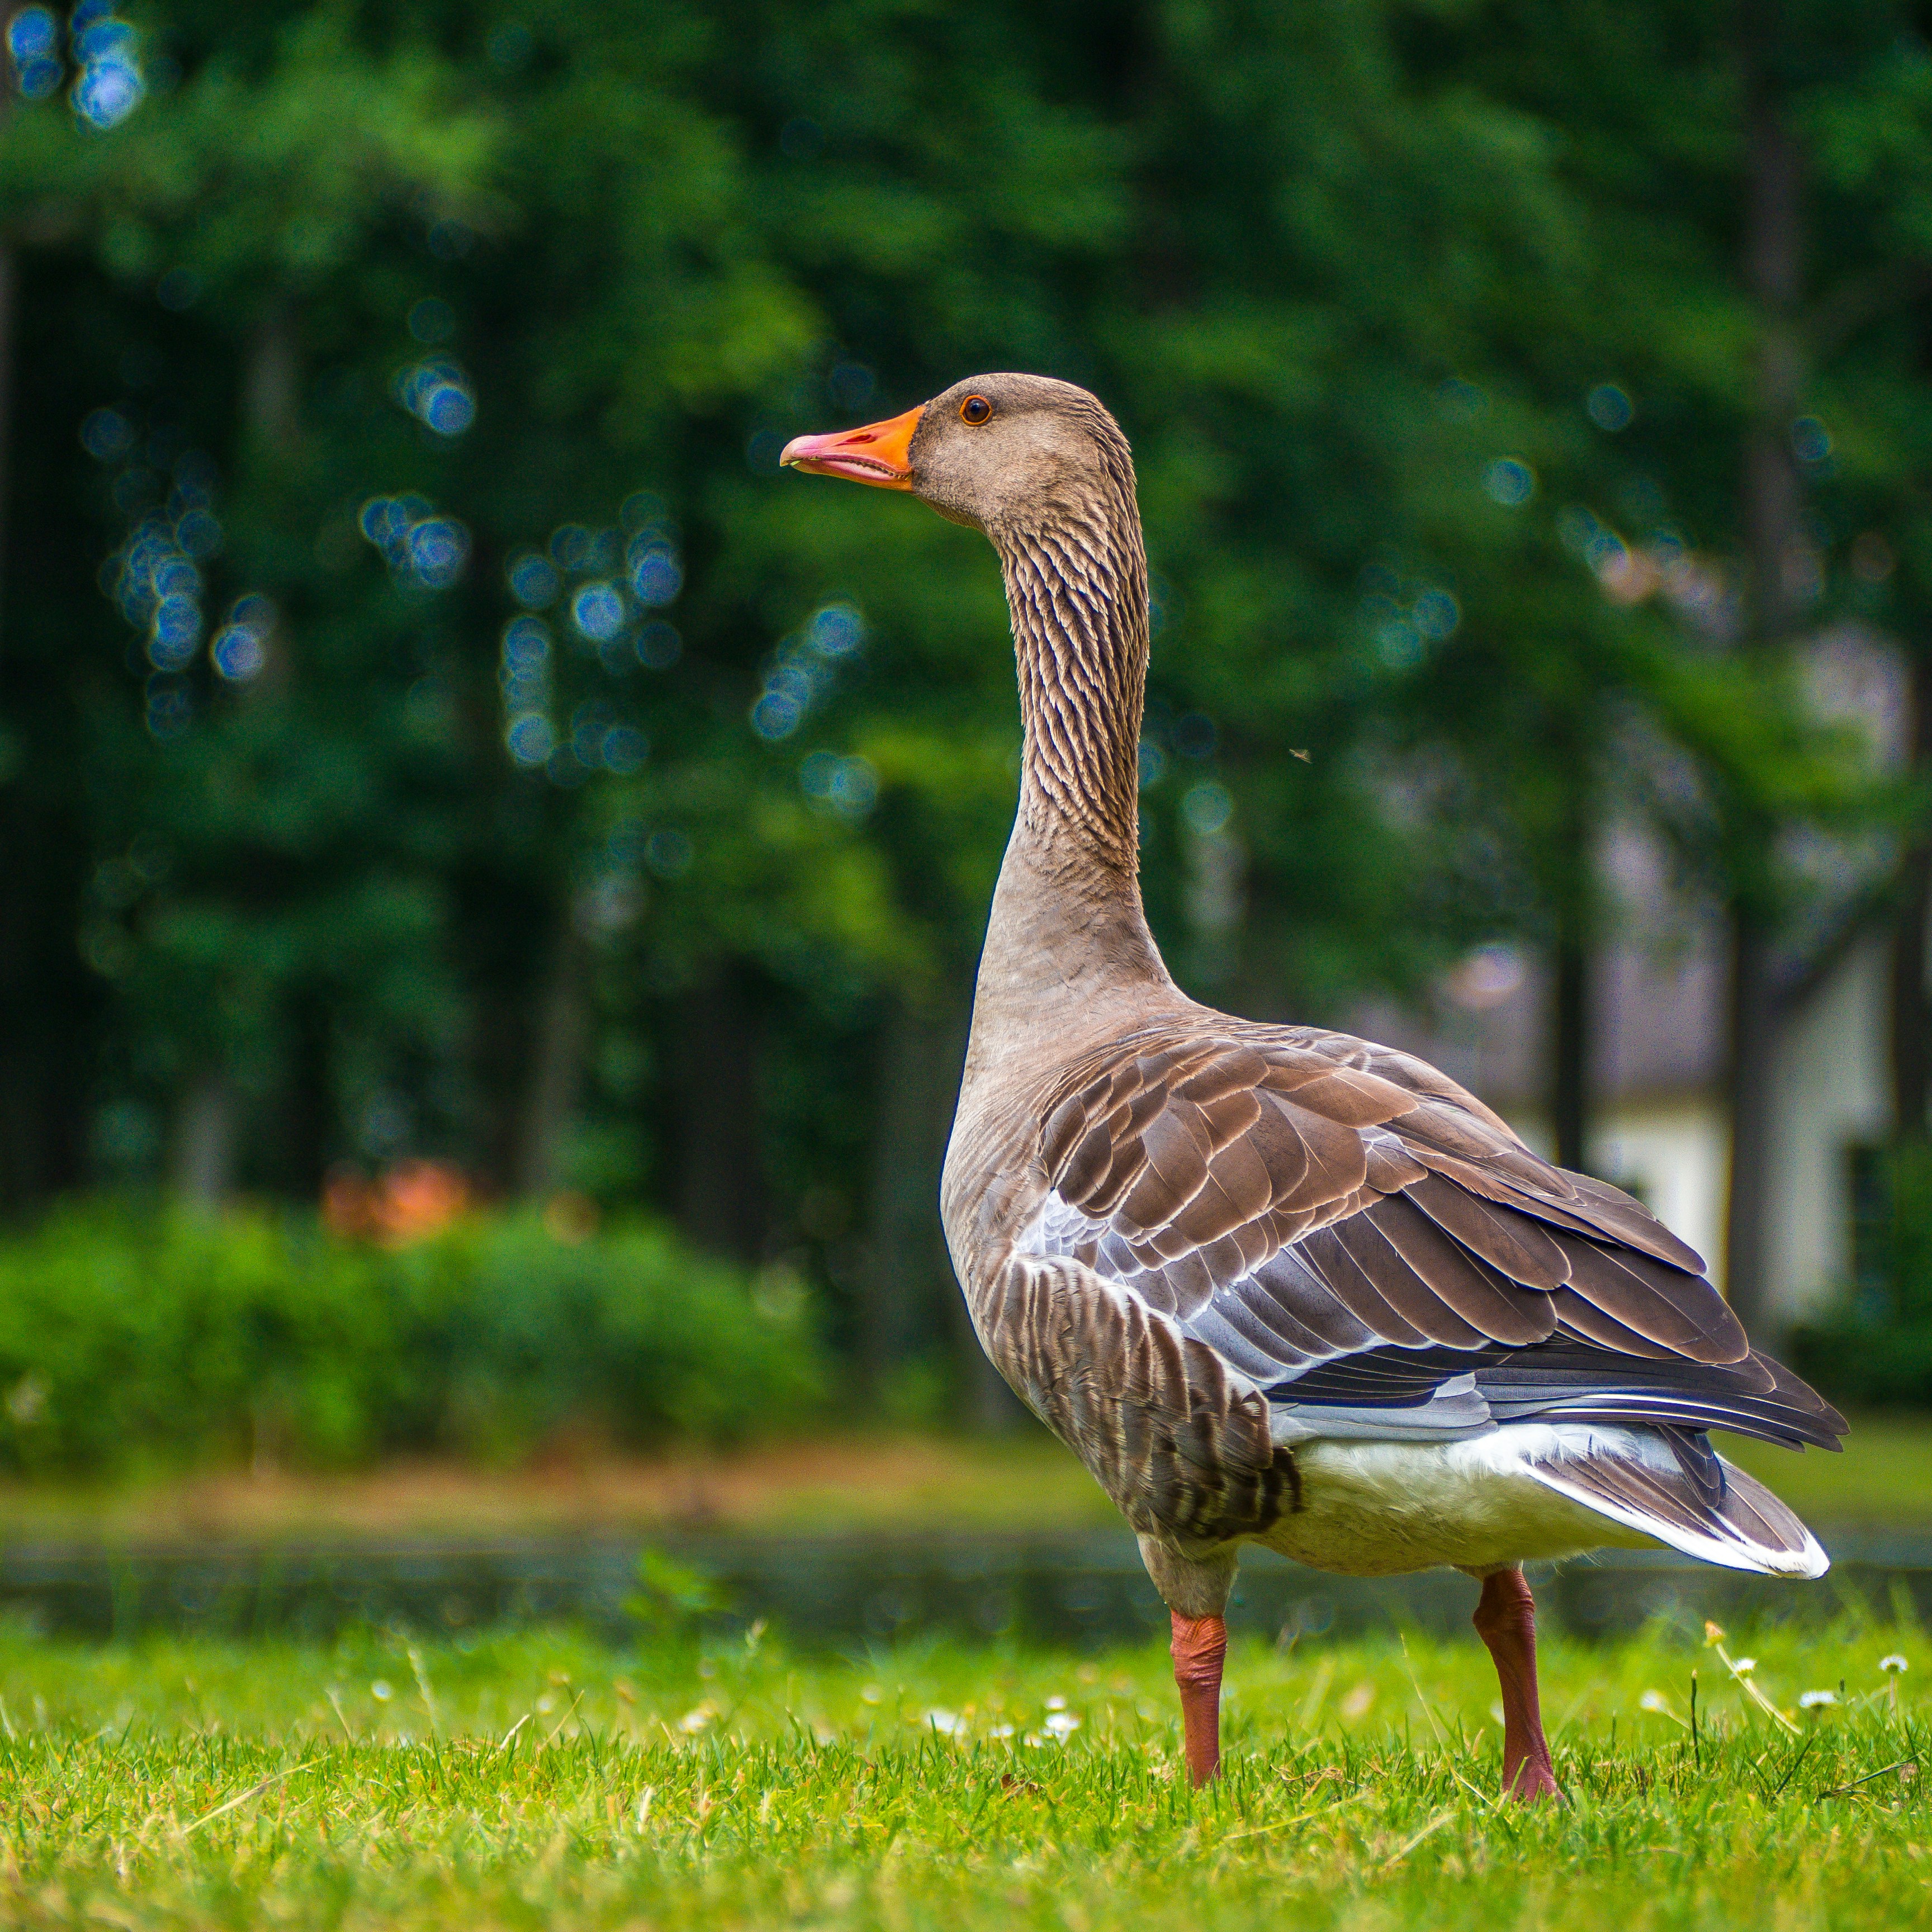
{"x":1068,"y":949}
{"x":1076,"y":587}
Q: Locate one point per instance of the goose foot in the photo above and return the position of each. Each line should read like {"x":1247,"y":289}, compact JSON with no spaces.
{"x":1200,"y":1647}
{"x":1505,"y":1620}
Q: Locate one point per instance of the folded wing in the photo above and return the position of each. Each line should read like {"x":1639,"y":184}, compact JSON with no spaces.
{"x":1372,"y":1247}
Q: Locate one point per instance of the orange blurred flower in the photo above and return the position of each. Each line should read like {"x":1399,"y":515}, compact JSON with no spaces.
{"x":410,"y":1201}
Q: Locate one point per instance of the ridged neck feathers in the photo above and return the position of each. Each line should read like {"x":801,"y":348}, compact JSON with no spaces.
{"x":1075,"y":572}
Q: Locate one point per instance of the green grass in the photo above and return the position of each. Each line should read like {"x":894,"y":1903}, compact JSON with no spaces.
{"x":540,"y":1780}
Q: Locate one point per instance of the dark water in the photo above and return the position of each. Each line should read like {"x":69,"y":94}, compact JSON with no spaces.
{"x":841,"y":1592}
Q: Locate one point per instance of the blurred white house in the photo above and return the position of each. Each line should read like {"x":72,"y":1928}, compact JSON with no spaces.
{"x":1660,"y":1028}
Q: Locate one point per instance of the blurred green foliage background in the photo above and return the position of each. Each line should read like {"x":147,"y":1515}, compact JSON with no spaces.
{"x":431,"y":727}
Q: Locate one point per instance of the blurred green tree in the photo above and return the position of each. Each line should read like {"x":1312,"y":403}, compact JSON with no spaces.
{"x":491,"y":755}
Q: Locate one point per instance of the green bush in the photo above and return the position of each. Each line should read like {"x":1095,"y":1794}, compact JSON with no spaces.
{"x":1867,"y":1364}
{"x":128,"y":1340}
{"x":1875,"y":1349}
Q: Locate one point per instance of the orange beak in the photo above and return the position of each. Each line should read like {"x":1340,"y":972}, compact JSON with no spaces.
{"x":876,"y":454}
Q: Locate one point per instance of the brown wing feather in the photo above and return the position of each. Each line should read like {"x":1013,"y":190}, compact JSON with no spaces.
{"x":1588,"y":1323}
{"x":1414,"y":1300}
{"x":1504,"y":1310}
{"x":1325,"y":1255}
{"x":1505,"y":1238}
{"x":1644,"y":1295}
{"x":1313,"y":1186}
{"x":1516,"y":1183}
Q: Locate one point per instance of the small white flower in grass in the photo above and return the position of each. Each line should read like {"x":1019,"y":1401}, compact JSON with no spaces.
{"x":1654,"y":1700}
{"x":1358,"y":1701}
{"x":1893,"y":1663}
{"x":1000,"y":1731}
{"x":1817,"y":1700}
{"x":1743,"y":1666}
{"x":382,"y":1691}
{"x":1063,"y":1723}
{"x":1056,"y":1703}
{"x":870,"y":1694}
{"x":946,"y":1722}
{"x":697,"y":1720}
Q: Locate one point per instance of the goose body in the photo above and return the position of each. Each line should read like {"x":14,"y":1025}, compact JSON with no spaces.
{"x":1274,"y":1284}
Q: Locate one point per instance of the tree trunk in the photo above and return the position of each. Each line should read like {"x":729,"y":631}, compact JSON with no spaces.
{"x":202,"y":1159}
{"x":1753,"y":1035}
{"x":1911,"y":1022}
{"x":10,"y":296}
{"x":912,"y":1302}
{"x":907,"y":1150}
{"x":49,"y":1004}
{"x":721,"y":1192}
{"x":22,"y":1091}
{"x":272,"y":432}
{"x":271,"y":382}
{"x":1775,"y":540}
{"x":556,"y":1063}
{"x":206,"y":1159}
{"x":1570,"y":1081}
{"x":311,"y":1113}
{"x":1573,"y":895}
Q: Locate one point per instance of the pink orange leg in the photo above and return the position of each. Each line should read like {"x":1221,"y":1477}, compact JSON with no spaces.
{"x":1200,"y":1647}
{"x":1505,"y":1620}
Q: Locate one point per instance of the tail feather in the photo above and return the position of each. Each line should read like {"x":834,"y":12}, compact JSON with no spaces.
{"x":1671,"y":1484}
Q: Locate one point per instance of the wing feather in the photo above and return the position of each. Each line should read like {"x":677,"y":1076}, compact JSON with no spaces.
{"x":1334,"y":1161}
{"x":1564,"y":1381}
{"x":1506,"y":1239}
{"x":1232,"y":1071}
{"x":1301,"y":1202}
{"x":1645,"y":1295}
{"x":1412,"y":1297}
{"x":1322,"y":1258}
{"x":1576,"y":1316}
{"x":1227,"y":1117}
{"x":1492,"y":1305}
{"x":1173,"y":1167}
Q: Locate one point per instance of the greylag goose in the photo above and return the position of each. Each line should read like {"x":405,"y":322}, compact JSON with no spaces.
{"x":1272,"y":1284}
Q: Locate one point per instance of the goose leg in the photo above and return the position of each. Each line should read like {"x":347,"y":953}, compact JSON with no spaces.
{"x":1194,"y":1589}
{"x":1200,"y":1646}
{"x":1505,"y":1620}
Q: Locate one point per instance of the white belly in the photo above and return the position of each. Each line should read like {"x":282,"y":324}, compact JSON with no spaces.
{"x":1379,"y":1509}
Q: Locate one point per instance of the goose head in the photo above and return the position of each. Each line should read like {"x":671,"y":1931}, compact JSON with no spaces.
{"x":1043,"y":470}
{"x":998,"y":453}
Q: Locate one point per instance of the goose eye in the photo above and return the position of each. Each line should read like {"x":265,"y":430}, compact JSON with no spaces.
{"x":975,"y":409}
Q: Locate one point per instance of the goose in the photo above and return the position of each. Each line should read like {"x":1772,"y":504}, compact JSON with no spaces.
{"x":1270,"y":1283}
